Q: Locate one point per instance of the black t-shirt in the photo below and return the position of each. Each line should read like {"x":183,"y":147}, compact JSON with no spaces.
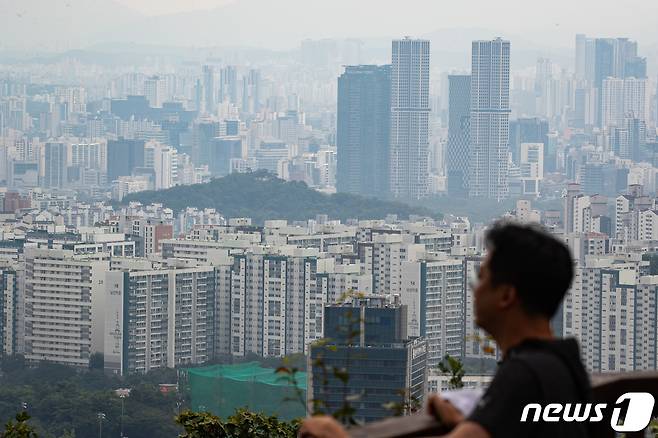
{"x":534,"y":372}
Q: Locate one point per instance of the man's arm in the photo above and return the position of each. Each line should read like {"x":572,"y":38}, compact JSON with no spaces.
{"x":322,"y":426}
{"x":453,"y":418}
{"x":468,"y":429}
{"x":327,"y":427}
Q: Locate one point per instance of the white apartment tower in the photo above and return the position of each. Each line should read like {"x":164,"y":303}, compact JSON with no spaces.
{"x":432,"y":288}
{"x":610,"y":309}
{"x":154,"y":89}
{"x":621,"y":98}
{"x":490,"y":109}
{"x":59,"y":289}
{"x":159,"y":318}
{"x":410,"y":111}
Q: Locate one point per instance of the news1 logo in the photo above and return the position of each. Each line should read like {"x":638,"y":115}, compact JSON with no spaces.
{"x":631,"y":412}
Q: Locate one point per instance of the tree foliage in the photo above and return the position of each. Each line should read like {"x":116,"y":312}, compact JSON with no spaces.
{"x":455,"y":369}
{"x":242,"y":424}
{"x":261,"y":196}
{"x":63,"y":401}
{"x":19,"y":429}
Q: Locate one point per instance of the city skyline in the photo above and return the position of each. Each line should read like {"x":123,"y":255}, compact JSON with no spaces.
{"x":220,"y":185}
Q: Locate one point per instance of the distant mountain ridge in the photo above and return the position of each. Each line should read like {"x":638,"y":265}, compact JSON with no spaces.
{"x":262,"y":196}
{"x":62,"y":25}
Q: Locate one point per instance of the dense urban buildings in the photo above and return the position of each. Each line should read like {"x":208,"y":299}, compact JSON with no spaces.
{"x":130,"y":229}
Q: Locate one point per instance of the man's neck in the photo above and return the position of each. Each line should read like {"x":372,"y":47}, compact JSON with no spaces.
{"x":514,"y":334}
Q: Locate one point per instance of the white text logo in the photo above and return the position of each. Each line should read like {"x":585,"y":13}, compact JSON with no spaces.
{"x":631,"y":412}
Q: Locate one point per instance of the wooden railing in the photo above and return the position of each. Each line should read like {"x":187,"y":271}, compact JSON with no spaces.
{"x":606,"y":388}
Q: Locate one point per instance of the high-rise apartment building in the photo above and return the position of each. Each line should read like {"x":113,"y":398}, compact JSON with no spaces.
{"x":155,"y":91}
{"x":629,"y":138}
{"x":89,"y":155}
{"x":489,"y":119}
{"x":54,"y":175}
{"x":432,"y":290}
{"x":363,"y":130}
{"x":459,"y":113}
{"x":157,"y":318}
{"x":382,"y":259}
{"x":59,"y":289}
{"x":621,"y":98}
{"x":163,"y":160}
{"x":274,"y":303}
{"x":608,"y":309}
{"x":12,"y":308}
{"x":410,"y":110}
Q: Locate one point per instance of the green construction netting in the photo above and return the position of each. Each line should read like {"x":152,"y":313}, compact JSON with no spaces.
{"x":221,"y":389}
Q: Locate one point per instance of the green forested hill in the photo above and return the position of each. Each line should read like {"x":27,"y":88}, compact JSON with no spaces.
{"x":260,"y":196}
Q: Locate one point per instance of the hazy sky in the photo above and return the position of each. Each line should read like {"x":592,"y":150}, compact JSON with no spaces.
{"x":547,"y":20}
{"x":158,"y":7}
{"x":283,"y":23}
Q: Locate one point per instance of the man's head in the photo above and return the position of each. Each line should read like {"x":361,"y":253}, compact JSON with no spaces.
{"x":525,"y":275}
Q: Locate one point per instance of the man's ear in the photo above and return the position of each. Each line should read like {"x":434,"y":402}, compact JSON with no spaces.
{"x":507,"y":296}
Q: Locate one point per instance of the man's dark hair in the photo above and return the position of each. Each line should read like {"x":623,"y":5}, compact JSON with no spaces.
{"x":538,"y":265}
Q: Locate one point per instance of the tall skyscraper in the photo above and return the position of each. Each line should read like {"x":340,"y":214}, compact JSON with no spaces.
{"x":581,"y":50}
{"x":636,"y":68}
{"x":489,"y":119}
{"x":199,"y":101}
{"x":363,"y":125}
{"x":530,"y":130}
{"x":222,"y":151}
{"x":251,"y":91}
{"x":123,"y":156}
{"x":459,"y":113}
{"x":604,"y":64}
{"x":585,"y":59}
{"x":228,"y":90}
{"x":209,"y":92}
{"x":410,"y":110}
{"x":55,"y":162}
{"x":612,"y":57}
{"x":615,"y":58}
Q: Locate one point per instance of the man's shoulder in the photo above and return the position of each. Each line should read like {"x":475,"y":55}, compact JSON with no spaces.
{"x":555,"y":366}
{"x":517,"y":370}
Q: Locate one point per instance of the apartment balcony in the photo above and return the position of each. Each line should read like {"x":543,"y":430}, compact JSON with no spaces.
{"x":606,"y":388}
